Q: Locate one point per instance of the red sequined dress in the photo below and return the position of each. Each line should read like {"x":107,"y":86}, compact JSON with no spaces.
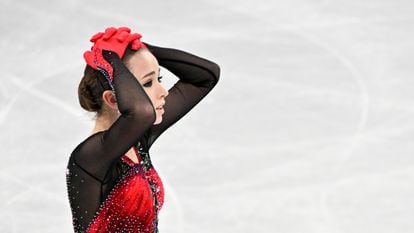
{"x":107,"y":191}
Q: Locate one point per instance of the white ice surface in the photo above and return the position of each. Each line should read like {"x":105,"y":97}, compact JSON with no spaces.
{"x":310,"y":129}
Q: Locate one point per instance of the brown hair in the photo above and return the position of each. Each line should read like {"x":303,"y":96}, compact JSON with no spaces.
{"x":92,"y":85}
{"x":90,"y":90}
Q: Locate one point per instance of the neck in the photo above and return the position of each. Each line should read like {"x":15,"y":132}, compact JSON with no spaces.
{"x":103,"y":122}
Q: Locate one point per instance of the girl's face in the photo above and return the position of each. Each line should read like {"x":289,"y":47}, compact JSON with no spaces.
{"x":144,"y":66}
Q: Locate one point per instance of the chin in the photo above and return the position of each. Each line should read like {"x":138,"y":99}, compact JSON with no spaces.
{"x":158,"y":121}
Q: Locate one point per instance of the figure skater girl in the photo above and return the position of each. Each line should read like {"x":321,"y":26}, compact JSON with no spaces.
{"x":111,"y":182}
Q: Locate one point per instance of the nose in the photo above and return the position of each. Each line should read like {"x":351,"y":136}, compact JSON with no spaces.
{"x":163,"y":92}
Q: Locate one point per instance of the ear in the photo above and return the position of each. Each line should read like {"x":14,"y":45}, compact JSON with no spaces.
{"x":109,"y":99}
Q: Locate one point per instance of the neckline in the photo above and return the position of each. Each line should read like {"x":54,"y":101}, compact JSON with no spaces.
{"x":129,"y":161}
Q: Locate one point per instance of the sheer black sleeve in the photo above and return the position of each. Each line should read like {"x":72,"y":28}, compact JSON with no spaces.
{"x":197,"y":77}
{"x":98,"y":152}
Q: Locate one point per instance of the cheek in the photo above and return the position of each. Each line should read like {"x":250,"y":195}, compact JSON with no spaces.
{"x":151,"y":94}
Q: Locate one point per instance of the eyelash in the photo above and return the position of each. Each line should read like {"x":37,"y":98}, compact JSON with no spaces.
{"x":149,"y":84}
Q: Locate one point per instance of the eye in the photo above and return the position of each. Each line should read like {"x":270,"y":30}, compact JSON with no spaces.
{"x":148,"y":84}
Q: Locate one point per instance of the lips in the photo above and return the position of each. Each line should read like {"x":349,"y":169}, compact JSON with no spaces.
{"x":161,"y":108}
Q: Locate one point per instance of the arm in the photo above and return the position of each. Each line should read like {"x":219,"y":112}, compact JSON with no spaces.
{"x":197,"y":77}
{"x":137,"y":114}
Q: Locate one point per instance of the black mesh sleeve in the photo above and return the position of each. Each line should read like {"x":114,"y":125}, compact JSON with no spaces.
{"x":197,"y":76}
{"x":99,"y":151}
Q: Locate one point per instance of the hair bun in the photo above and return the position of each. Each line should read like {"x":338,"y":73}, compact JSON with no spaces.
{"x":88,"y":99}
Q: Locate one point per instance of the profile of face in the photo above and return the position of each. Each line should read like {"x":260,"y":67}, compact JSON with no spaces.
{"x":144,"y":66}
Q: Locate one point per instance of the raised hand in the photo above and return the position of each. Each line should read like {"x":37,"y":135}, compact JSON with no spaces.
{"x":115,"y":40}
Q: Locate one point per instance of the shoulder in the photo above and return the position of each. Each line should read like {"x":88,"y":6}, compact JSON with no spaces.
{"x":88,"y":142}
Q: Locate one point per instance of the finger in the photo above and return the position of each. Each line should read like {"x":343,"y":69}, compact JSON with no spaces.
{"x":109,"y":32}
{"x":124,"y":29}
{"x":96,"y":37}
{"x":122,"y":36}
{"x":136,"y":44}
{"x":135,"y":36}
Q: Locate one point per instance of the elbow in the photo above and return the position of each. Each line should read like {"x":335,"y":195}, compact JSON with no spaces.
{"x":214,"y":71}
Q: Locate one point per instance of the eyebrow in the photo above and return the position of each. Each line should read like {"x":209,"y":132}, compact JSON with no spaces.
{"x":149,"y":74}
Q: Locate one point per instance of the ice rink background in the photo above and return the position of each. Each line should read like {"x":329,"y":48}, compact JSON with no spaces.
{"x":310,"y":128}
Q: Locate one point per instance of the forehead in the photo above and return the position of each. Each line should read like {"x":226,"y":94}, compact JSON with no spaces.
{"x":142,"y":62}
